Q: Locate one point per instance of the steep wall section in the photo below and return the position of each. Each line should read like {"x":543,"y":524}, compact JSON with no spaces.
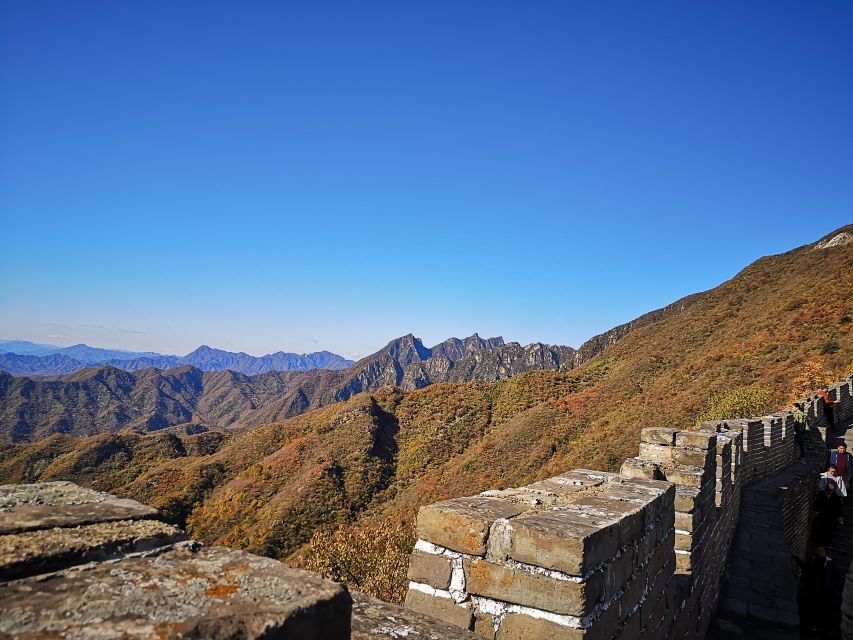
{"x":643,"y":553}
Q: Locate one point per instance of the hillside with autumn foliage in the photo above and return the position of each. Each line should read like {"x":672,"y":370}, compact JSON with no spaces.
{"x":308,"y":487}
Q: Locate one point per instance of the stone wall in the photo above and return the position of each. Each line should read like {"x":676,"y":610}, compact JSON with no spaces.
{"x":595,"y":555}
{"x":77,"y":563}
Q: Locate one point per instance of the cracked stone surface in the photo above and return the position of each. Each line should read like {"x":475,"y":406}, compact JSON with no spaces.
{"x":34,"y":552}
{"x":373,"y":619}
{"x":29,"y":507}
{"x":186,"y":592}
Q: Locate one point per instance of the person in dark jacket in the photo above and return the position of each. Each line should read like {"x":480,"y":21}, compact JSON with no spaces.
{"x":822,"y":587}
{"x":828,"y":507}
{"x":842,"y":460}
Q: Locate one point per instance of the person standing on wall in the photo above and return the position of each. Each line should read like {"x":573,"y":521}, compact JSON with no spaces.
{"x":800,"y":426}
{"x":828,"y":507}
{"x":842,"y":461}
{"x":827,"y":407}
{"x":832,"y":474}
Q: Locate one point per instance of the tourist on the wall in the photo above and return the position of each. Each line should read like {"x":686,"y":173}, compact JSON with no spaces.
{"x":832,"y":474}
{"x":800,"y":426}
{"x":827,"y":407}
{"x":842,"y":460}
{"x":822,"y":588}
{"x":828,"y":507}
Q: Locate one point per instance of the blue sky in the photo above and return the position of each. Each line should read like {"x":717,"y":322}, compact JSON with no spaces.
{"x":265,"y":175}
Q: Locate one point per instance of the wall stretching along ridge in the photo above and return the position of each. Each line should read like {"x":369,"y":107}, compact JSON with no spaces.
{"x":598,"y":556}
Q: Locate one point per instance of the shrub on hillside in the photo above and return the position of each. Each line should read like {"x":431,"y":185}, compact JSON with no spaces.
{"x":740,"y":402}
{"x":371,"y":559}
{"x":810,"y":377}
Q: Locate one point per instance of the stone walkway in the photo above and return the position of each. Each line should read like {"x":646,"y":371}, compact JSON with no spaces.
{"x":761,"y":598}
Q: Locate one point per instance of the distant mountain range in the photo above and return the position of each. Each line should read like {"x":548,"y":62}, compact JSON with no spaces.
{"x":23,"y":358}
{"x":111,"y":398}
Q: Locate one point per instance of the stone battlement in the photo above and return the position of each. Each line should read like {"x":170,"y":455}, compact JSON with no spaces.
{"x":602,"y":556}
{"x":77,"y":563}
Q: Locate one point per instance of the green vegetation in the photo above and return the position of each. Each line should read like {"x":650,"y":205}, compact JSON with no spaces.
{"x":741,"y":402}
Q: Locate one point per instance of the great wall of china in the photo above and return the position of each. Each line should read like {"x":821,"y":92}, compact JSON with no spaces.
{"x":653,"y":551}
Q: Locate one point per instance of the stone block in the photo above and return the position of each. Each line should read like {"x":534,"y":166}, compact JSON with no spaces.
{"x":431,"y":569}
{"x":524,"y":495}
{"x":712,"y":426}
{"x":658,"y":435}
{"x":684,"y":541}
{"x":211,"y":593}
{"x":31,"y":507}
{"x":702,"y":458}
{"x":376,"y":620}
{"x":539,"y":591}
{"x":564,"y":540}
{"x":686,"y":562}
{"x":462,"y":524}
{"x":696,"y":440}
{"x":630,"y":517}
{"x":578,"y":479}
{"x":631,"y":597}
{"x":444,"y":609}
{"x":517,"y":626}
{"x":686,"y":498}
{"x":484,"y":625}
{"x":662,"y":454}
{"x":640,"y":468}
{"x":688,"y":521}
{"x":619,"y":572}
{"x":34,"y":552}
{"x":687,"y":475}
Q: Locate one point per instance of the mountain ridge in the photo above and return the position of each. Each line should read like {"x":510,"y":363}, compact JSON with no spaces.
{"x":20,"y":357}
{"x":109,"y":398}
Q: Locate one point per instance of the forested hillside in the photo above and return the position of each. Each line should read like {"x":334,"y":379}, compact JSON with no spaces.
{"x":778,"y":328}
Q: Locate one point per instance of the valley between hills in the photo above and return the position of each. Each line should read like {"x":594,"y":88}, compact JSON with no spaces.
{"x":292,"y":464}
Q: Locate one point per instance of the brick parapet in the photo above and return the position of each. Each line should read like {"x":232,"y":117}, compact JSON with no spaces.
{"x":559,"y":559}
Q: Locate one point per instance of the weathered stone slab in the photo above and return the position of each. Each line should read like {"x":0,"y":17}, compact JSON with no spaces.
{"x":686,"y":475}
{"x":508,"y":584}
{"x":659,"y":453}
{"x":574,"y":482}
{"x":28,"y":507}
{"x":517,"y":626}
{"x":186,"y":592}
{"x":702,"y":458}
{"x":564,"y":540}
{"x":640,"y":468}
{"x":629,"y":516}
{"x":34,"y":552}
{"x":441,"y":608}
{"x":527,"y":496}
{"x":430,"y":569}
{"x":686,"y":498}
{"x":373,"y":619}
{"x":462,"y":524}
{"x":658,"y":435}
{"x":696,"y":439}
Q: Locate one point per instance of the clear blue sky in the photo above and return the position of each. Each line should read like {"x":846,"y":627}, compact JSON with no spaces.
{"x":269,"y":175}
